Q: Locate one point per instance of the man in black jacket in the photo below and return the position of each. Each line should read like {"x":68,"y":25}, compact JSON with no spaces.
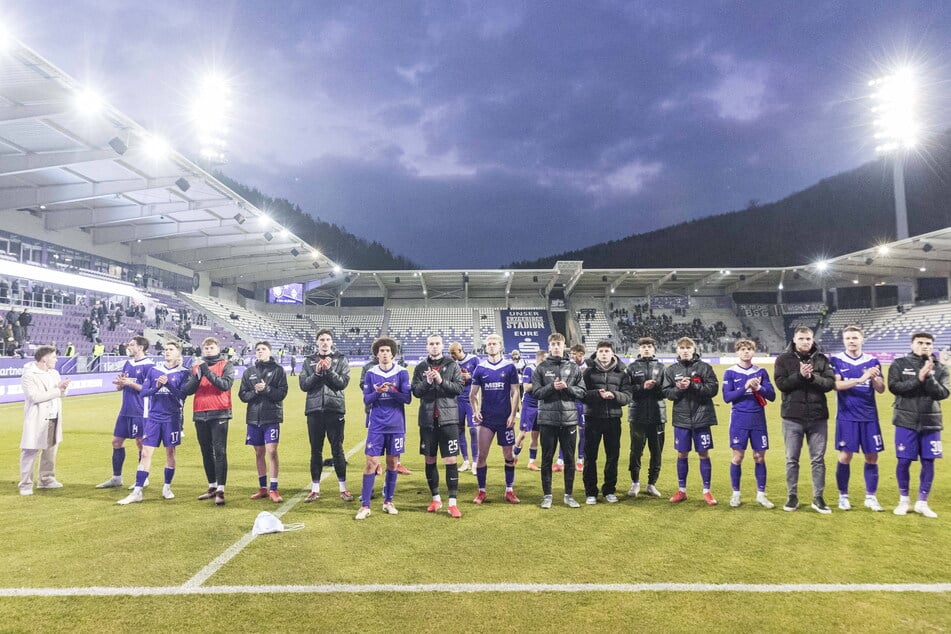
{"x":558,"y":385}
{"x":607,"y":390}
{"x":264,"y":388}
{"x":647,"y":416}
{"x":691,"y":385}
{"x":325,"y":376}
{"x":804,"y":376}
{"x":437,"y":381}
{"x":919,"y":382}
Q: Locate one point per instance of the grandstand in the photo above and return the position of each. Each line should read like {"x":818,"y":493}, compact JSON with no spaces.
{"x":886,"y":329}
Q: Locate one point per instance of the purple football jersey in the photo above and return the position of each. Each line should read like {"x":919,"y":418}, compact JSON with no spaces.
{"x":496,"y":381}
{"x":856,"y":404}
{"x":131,"y":398}
{"x":164,"y":402}
{"x":468,"y":364}
{"x":387,"y":413}
{"x":529,"y":402}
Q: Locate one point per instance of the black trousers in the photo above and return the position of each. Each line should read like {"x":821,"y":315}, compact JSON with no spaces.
{"x":213,"y":441}
{"x":329,"y":425}
{"x":653,"y":437}
{"x":596,"y":429}
{"x":551,"y":437}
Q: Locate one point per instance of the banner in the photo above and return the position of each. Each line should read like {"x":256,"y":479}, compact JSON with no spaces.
{"x":525,"y":330}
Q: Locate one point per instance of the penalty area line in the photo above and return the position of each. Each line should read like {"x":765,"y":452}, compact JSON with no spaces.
{"x":235,"y":549}
{"x":474,"y":588}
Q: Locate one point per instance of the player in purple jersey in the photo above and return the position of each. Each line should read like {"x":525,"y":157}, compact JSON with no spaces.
{"x":163,"y":394}
{"x":494,"y":398}
{"x":264,"y":388}
{"x":691,"y":385}
{"x":528,"y":418}
{"x":386,"y":389}
{"x":748,"y":388}
{"x":467,"y":365}
{"x":858,"y":377}
{"x":919,"y":382}
{"x":129,"y":422}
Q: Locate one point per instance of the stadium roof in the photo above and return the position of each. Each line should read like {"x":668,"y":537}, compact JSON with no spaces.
{"x":95,"y":172}
{"x":82,"y":165}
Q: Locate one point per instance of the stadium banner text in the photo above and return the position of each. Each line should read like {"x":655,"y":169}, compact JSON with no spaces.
{"x":525,"y":330}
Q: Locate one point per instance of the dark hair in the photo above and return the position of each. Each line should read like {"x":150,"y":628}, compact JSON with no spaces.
{"x":141,"y":341}
{"x":577,"y":348}
{"x":383,"y":342}
{"x":175,"y":344}
{"x":42,"y":351}
{"x":604,"y":343}
{"x":266,"y":344}
{"x":324,"y":331}
{"x":922,"y":335}
{"x":646,"y":341}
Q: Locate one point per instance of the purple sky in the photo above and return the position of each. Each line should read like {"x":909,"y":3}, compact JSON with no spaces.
{"x":471,"y":134}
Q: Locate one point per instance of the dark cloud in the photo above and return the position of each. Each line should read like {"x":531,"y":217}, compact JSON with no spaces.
{"x":511,"y":130}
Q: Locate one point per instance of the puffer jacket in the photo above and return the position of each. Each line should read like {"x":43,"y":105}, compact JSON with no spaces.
{"x":325,"y":390}
{"x":648,"y":407}
{"x":693,"y":407}
{"x":558,"y":408}
{"x":267,"y":407}
{"x":917,"y":403}
{"x":211,"y":384}
{"x":804,"y":399}
{"x":438,"y":395}
{"x":614,"y":379}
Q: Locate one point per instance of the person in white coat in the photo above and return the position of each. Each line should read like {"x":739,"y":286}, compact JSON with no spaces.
{"x":43,"y":392}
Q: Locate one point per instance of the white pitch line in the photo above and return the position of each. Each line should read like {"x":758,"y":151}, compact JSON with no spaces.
{"x":216,"y":564}
{"x":471,"y":588}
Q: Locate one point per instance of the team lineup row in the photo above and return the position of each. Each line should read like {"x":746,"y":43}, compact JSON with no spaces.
{"x":567,"y":401}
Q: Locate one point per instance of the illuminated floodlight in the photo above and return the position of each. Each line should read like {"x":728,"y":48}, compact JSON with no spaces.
{"x":156,"y":147}
{"x":337,"y":269}
{"x":780,"y":287}
{"x":822,"y":265}
{"x":6,"y":40}
{"x":89,"y":102}
{"x":855,"y":281}
{"x":316,"y":254}
{"x":883,"y":249}
{"x":922,"y":269}
{"x":284,"y":233}
{"x":895,"y":97}
{"x":211,"y":113}
{"x":264,"y":219}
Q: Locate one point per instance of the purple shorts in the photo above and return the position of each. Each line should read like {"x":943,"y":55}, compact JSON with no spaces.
{"x":263,"y":435}
{"x":757,"y":439}
{"x":465,"y":413}
{"x":527,"y":421}
{"x":701,"y":438}
{"x":162,"y":432}
{"x":850,"y":436}
{"x":505,"y":435}
{"x":379,"y":443}
{"x":910,"y":444}
{"x":129,"y":427}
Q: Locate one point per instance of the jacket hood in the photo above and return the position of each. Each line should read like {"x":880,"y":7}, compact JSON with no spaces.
{"x":270,"y":361}
{"x":31,"y":368}
{"x":215,"y":359}
{"x":592,"y":362}
{"x":690,"y":361}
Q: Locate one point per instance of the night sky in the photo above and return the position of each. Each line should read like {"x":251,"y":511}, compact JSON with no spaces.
{"x":472,"y":134}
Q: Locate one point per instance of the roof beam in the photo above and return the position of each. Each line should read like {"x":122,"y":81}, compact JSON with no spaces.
{"x":170,"y":245}
{"x":24,"y":163}
{"x":12,"y":114}
{"x":74,"y":217}
{"x":126,"y":233}
{"x":575,"y":278}
{"x":21,"y":197}
{"x":655,"y":286}
{"x":249,"y":249}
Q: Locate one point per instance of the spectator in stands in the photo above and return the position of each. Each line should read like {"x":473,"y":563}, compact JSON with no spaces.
{"x":804,"y":376}
{"x":43,"y":391}
{"x":25,"y":320}
{"x":607,"y":390}
{"x":647,"y":416}
{"x":919,"y":382}
{"x":212,"y":412}
{"x":324,"y":377}
{"x":70,"y":350}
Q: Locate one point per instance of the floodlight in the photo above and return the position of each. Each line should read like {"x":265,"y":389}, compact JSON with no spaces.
{"x":780,"y":287}
{"x":855,"y":281}
{"x":284,"y":233}
{"x":316,"y":254}
{"x":922,"y":269}
{"x":156,"y":147}
{"x":822,"y":265}
{"x":883,"y":250}
{"x":264,"y":219}
{"x":6,"y":40}
{"x":118,"y":145}
{"x":88,"y":102}
{"x":337,"y":269}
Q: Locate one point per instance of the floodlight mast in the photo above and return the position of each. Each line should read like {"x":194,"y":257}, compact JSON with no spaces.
{"x":897,"y":131}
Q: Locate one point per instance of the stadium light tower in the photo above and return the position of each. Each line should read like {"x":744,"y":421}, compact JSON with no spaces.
{"x":211,"y":112}
{"x":896,"y":132}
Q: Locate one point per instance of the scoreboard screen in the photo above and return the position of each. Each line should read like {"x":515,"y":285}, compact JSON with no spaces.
{"x":286,"y":294}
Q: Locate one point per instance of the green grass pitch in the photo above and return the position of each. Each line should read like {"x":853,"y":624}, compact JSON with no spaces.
{"x":78,"y":537}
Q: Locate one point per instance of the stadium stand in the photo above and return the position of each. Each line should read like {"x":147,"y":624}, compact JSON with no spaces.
{"x":886,"y":329}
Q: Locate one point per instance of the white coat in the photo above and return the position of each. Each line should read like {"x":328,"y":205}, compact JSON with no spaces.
{"x":41,"y":396}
